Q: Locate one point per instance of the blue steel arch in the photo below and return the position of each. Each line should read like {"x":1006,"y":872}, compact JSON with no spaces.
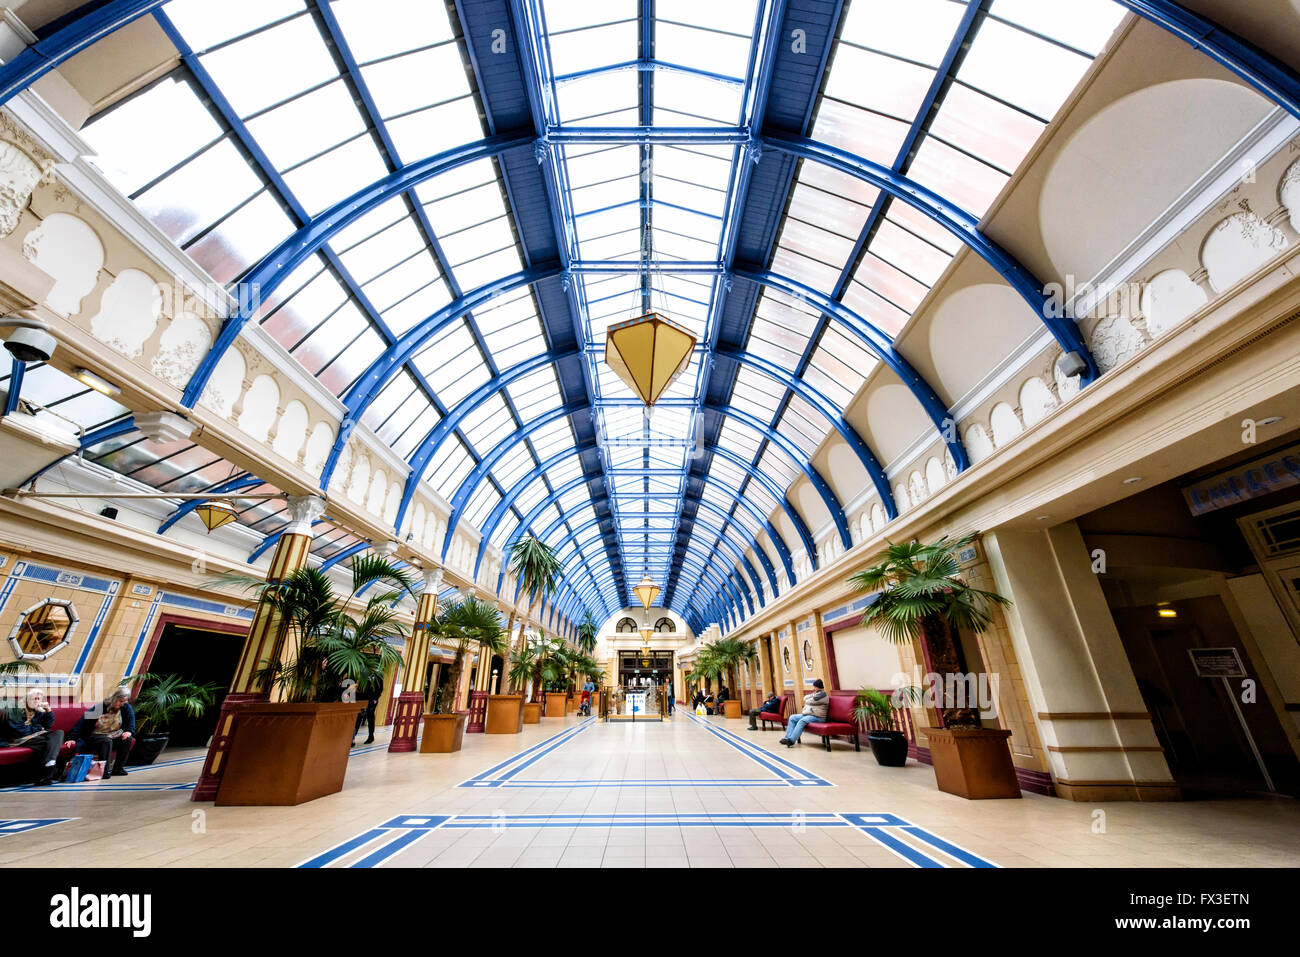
{"x":512,"y":493}
{"x":778,"y":493}
{"x":732,"y":547}
{"x":1261,"y":70}
{"x":827,"y":494}
{"x":185,"y":508}
{"x":954,"y":219}
{"x":430,"y":444}
{"x":462,"y":495}
{"x":818,"y":400}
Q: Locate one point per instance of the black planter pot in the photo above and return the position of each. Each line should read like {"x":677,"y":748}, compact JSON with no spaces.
{"x":889,"y":747}
{"x":147,"y":748}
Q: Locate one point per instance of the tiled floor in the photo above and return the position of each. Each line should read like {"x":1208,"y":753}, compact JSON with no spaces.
{"x":690,"y":792}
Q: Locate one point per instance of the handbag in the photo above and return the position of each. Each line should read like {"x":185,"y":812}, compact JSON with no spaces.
{"x":96,"y":771}
{"x":76,"y":770}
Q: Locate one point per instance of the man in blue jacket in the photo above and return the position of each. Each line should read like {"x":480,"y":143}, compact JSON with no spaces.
{"x":32,"y":726}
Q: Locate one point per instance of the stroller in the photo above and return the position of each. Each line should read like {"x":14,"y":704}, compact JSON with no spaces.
{"x":584,"y":706}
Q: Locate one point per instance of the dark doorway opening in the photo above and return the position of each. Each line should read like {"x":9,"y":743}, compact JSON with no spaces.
{"x":196,"y":654}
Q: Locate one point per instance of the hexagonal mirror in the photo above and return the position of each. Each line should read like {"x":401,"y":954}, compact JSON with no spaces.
{"x":43,"y":629}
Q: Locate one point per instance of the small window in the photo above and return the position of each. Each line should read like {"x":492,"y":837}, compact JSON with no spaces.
{"x":665,"y":625}
{"x":626,"y":626}
{"x":43,"y":629}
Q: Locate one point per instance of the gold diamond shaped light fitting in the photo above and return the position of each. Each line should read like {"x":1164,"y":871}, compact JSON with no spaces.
{"x":648,"y":353}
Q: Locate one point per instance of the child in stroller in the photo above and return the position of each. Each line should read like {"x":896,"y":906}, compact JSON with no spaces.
{"x":584,"y":705}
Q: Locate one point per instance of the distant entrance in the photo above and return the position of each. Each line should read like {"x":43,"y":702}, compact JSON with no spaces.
{"x":200,"y":654}
{"x":642,"y":671}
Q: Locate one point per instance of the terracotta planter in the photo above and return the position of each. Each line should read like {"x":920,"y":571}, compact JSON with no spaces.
{"x":443,"y":732}
{"x":505,"y":714}
{"x":973,"y":763}
{"x":283,"y":754}
{"x":556,"y":703}
{"x":732,"y":709}
{"x":533,"y":712}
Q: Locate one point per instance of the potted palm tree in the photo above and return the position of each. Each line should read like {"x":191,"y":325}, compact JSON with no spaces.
{"x":522,"y":666}
{"x":159,"y":702}
{"x":536,"y":568}
{"x":553,"y":676}
{"x":878,"y":715}
{"x":295,"y":748}
{"x":730,"y":653}
{"x":921,"y":598}
{"x":466,"y":624}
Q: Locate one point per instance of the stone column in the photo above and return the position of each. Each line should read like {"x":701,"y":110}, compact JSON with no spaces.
{"x":264,"y":643}
{"x":1093,"y":723}
{"x":792,"y":680}
{"x":410,"y":700}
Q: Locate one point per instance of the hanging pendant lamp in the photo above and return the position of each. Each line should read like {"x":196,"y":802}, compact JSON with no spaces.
{"x":215,"y":514}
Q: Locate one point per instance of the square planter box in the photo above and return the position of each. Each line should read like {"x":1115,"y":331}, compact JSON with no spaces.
{"x":505,"y":714}
{"x":284,"y":754}
{"x":732,"y":709}
{"x":533,"y":712}
{"x":556,"y":704}
{"x":973,"y":763}
{"x":443,"y":733}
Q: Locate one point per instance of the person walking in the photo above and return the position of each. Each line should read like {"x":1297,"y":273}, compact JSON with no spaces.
{"x":372,"y":695}
{"x":815,"y":708}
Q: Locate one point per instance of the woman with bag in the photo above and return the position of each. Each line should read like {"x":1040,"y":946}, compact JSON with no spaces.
{"x":108,"y":731}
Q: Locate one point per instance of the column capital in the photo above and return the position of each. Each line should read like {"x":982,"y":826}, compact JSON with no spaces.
{"x":386,"y":550}
{"x":432,"y":579}
{"x":303,"y":510}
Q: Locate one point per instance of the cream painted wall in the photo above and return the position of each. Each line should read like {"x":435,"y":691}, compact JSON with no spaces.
{"x":864,"y":659}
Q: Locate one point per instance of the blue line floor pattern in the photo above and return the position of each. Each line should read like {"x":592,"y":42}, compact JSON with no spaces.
{"x":781,"y":772}
{"x":904,"y":840}
{"x":10,"y":826}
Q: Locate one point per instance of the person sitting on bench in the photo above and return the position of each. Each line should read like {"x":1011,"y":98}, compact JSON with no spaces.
{"x":815,"y":707}
{"x":108,"y":731}
{"x":32,"y":726}
{"x":772,"y":704}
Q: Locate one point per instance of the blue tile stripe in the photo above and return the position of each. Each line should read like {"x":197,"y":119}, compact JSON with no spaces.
{"x":787,"y":771}
{"x":21,"y":825}
{"x":402,"y":831}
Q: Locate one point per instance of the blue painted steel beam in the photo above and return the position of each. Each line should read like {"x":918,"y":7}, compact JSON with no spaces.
{"x":343,"y":554}
{"x":508,"y":499}
{"x":778,"y":493}
{"x":818,"y":400}
{"x":879,"y":344}
{"x":429,"y":446}
{"x":45,"y":55}
{"x":280,"y":263}
{"x":17,"y":371}
{"x":185,"y":508}
{"x":952,"y":218}
{"x":462,"y":495}
{"x":391,"y":361}
{"x":88,"y":441}
{"x":823,"y":488}
{"x":528,"y":520}
{"x":1265,"y":72}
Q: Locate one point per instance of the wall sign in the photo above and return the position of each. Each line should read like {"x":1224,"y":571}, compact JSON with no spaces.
{"x":1252,"y":479}
{"x":1217,"y":663}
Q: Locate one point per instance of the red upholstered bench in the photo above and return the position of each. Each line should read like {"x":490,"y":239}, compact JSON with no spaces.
{"x":767,"y":717}
{"x":65,"y":719}
{"x":839,"y":720}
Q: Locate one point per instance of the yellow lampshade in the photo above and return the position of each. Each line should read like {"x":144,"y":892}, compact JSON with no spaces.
{"x":648,"y":353}
{"x":646,"y":592}
{"x":215,"y":514}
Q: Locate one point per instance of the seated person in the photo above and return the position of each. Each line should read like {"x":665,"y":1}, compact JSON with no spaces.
{"x":107,"y":731}
{"x":32,"y":726}
{"x":771,"y":705}
{"x":815,"y":708}
{"x":708,"y":703}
